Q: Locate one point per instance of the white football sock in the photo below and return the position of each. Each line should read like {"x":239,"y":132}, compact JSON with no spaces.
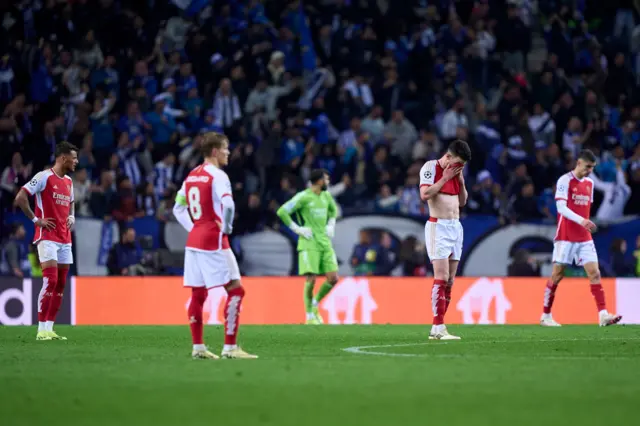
{"x":199,"y":347}
{"x":310,"y":316}
{"x":49,"y":325}
{"x":42,"y":326}
{"x":229,"y":347}
{"x":603,"y":312}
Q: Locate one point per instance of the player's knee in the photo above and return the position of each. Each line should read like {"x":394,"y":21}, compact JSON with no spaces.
{"x":594,"y":276}
{"x":332,"y":279}
{"x":443,"y":276}
{"x":199,"y":295}
{"x":450,"y":282}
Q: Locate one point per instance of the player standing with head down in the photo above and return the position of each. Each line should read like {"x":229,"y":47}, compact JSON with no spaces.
{"x":204,"y":207}
{"x":53,"y":219}
{"x":442,"y":187}
{"x":316,"y":213}
{"x":573,"y":241}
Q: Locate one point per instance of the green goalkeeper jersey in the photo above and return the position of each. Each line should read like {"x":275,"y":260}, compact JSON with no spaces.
{"x":313,"y":211}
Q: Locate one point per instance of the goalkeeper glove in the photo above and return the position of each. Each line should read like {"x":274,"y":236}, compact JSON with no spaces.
{"x":304,"y":232}
{"x":331,"y":227}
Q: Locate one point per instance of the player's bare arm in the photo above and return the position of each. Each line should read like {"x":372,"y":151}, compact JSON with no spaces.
{"x":429,"y":192}
{"x":22,"y":201}
{"x":463,"y":195}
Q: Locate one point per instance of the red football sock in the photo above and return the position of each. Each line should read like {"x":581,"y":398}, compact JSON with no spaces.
{"x":438,"y":302}
{"x":598,"y":295}
{"x":198,"y":297}
{"x":56,"y":297}
{"x":447,"y":295}
{"x":49,"y":284}
{"x":549,"y":296}
{"x":232,"y":315}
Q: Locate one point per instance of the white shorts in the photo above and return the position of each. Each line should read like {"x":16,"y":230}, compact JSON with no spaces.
{"x":443,"y":238}
{"x":566,"y":252}
{"x":50,"y":250}
{"x":210,"y":268}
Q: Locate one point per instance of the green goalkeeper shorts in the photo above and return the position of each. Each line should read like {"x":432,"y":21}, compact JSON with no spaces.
{"x":317,"y":262}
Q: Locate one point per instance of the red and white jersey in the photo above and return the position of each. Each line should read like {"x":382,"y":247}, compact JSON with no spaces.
{"x":54,"y":195}
{"x":579,"y":195}
{"x":431,"y":173}
{"x":204,"y":188}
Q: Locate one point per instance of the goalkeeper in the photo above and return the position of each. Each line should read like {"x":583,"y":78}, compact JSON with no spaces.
{"x":315,"y":212}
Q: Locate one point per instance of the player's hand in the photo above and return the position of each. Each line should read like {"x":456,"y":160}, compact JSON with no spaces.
{"x":305,"y":232}
{"x":71,"y":220}
{"x":589,"y":226}
{"x":451,"y":172}
{"x":46,"y":223}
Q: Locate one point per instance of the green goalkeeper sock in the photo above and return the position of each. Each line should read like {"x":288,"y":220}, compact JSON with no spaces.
{"x":324,"y":290}
{"x":308,"y":295}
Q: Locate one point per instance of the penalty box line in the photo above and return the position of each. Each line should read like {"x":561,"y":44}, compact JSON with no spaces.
{"x":365,"y":350}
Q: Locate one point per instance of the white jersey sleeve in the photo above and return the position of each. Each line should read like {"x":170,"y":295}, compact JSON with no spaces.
{"x":562,"y":188}
{"x":72,"y":196}
{"x":428,"y":173}
{"x":222,"y":186}
{"x":37,"y":184}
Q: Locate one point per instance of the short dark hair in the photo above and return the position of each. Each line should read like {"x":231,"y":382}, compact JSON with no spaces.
{"x":587,"y":155}
{"x":65,"y":148}
{"x":317,"y":174}
{"x":210,"y":141}
{"x":460,"y":149}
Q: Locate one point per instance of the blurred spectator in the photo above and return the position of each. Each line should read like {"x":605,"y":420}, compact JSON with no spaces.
{"x":125,"y":257}
{"x":81,"y":192}
{"x":14,"y":176}
{"x":13,"y":257}
{"x":124,"y":207}
{"x":363,"y":257}
{"x":412,"y":257}
{"x":619,"y":263}
{"x":484,"y":196}
{"x":523,"y":265}
{"x":525,"y":204}
{"x":616,"y":194}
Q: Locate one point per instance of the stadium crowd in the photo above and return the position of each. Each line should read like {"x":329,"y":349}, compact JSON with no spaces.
{"x":367,"y":89}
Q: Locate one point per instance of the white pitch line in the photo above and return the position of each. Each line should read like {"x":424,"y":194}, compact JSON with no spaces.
{"x":363,"y":350}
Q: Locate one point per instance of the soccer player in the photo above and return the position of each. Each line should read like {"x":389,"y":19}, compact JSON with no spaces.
{"x":573,"y":242}
{"x":53,"y":219}
{"x":204,"y":207}
{"x":442,"y":187}
{"x":316,"y":213}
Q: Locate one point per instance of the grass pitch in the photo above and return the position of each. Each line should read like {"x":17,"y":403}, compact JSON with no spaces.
{"x":497,"y":375}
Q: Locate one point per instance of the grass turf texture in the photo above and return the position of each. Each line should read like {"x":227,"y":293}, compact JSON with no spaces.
{"x":498,"y":375}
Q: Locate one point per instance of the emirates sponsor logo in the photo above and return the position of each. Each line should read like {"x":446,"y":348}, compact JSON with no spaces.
{"x":580,"y":199}
{"x":62,"y":199}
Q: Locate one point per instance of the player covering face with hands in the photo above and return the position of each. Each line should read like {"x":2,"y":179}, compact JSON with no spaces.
{"x":442,"y":187}
{"x":573,"y":242}
{"x":53,"y":219}
{"x":315,"y":213}
{"x":204,"y":207}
